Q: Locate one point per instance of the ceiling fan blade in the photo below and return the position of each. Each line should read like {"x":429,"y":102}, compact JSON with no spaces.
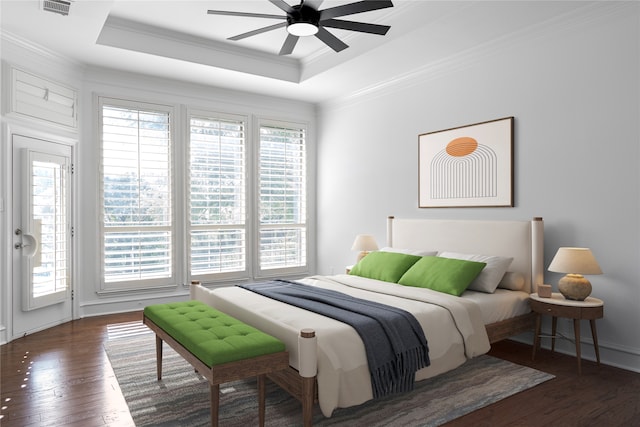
{"x":244,"y":14}
{"x":353,"y":8}
{"x":356,"y":26}
{"x":330,"y":40}
{"x":282,"y":5}
{"x":289,"y":44}
{"x":258,"y":31}
{"x":313,"y":3}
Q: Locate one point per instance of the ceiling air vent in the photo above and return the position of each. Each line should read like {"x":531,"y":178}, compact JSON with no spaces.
{"x":56,"y":6}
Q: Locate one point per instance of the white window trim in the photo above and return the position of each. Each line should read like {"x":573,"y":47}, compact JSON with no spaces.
{"x":176,"y":271}
{"x":311,"y":238}
{"x":180,"y":137}
{"x":246,"y":274}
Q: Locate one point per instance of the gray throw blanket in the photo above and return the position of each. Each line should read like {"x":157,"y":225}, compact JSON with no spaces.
{"x":394,"y":341}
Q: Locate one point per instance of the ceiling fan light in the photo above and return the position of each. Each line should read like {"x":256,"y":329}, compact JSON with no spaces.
{"x":302,"y":29}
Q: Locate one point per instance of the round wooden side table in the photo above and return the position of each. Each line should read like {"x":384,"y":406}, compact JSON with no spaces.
{"x":558,"y":306}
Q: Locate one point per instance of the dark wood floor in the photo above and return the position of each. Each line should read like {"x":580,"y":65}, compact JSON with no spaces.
{"x":62,"y":377}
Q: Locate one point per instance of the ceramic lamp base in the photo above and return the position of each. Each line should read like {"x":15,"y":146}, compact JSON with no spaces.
{"x":361,"y":255}
{"x":574,"y":287}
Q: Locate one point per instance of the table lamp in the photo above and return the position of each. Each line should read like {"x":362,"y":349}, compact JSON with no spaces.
{"x":364,"y":243}
{"x":575,"y":262}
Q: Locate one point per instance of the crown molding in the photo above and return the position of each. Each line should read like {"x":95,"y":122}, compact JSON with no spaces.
{"x":135,"y":36}
{"x":561,"y":24}
{"x":39,"y":51}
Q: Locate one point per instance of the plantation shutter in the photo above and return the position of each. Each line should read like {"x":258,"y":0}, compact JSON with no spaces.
{"x":217,"y":196}
{"x":137,"y":198}
{"x":37,"y":97}
{"x":282,"y":197}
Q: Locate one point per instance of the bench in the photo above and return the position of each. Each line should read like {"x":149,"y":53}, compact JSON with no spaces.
{"x":219,"y":347}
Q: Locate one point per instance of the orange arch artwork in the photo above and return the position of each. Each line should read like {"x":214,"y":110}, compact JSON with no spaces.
{"x":467,"y":166}
{"x":463,"y":170}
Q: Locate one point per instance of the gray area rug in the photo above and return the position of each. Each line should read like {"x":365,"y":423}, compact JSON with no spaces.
{"x":182,"y":397}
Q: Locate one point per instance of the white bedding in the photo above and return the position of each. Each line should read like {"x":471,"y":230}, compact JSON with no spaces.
{"x":501,"y":305}
{"x":453,"y":326}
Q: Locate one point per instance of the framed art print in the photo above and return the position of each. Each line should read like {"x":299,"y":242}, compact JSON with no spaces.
{"x":467,"y":166}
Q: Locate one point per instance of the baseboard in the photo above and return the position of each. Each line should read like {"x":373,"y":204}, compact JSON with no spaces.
{"x":610,"y":354}
{"x":126,"y":304}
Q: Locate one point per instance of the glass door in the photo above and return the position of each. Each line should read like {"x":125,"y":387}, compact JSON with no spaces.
{"x":42,"y":291}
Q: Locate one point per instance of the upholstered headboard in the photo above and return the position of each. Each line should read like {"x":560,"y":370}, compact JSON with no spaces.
{"x":522,"y":240}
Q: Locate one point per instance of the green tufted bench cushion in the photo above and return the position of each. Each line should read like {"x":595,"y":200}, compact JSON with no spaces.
{"x":211,"y":335}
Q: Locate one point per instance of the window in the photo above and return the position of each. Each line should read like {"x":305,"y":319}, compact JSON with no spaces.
{"x":218,"y":203}
{"x":282,"y":197}
{"x":137,"y":209}
{"x":217,"y":197}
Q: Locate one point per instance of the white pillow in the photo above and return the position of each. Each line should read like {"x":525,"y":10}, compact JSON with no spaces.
{"x":418,"y":252}
{"x":512,"y":280}
{"x":490,"y":276}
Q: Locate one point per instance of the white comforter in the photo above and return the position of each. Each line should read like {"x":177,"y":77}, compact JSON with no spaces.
{"x":453,"y":327}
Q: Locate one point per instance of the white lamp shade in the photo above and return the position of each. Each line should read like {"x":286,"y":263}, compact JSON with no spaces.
{"x":575,"y":261}
{"x":364,"y":243}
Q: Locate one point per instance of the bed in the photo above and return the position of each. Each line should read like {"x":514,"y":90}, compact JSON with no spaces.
{"x":457,"y":327}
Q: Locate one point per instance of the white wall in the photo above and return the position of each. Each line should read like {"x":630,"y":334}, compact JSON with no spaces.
{"x":573,"y":87}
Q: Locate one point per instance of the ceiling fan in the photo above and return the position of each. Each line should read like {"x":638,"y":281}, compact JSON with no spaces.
{"x":306,"y":19}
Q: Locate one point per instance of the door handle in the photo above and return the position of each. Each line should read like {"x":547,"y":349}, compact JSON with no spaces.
{"x":30,"y":244}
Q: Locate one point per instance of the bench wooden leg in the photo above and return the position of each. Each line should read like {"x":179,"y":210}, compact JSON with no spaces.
{"x":215,"y":403}
{"x":159,"y":357}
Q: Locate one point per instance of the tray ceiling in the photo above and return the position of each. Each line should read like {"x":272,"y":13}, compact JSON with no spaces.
{"x":177,"y":39}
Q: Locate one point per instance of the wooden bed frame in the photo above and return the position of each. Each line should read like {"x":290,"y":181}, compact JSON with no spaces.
{"x":522,"y":240}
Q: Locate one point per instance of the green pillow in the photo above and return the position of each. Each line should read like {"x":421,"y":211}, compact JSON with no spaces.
{"x":385,"y":266}
{"x":448,"y":275}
